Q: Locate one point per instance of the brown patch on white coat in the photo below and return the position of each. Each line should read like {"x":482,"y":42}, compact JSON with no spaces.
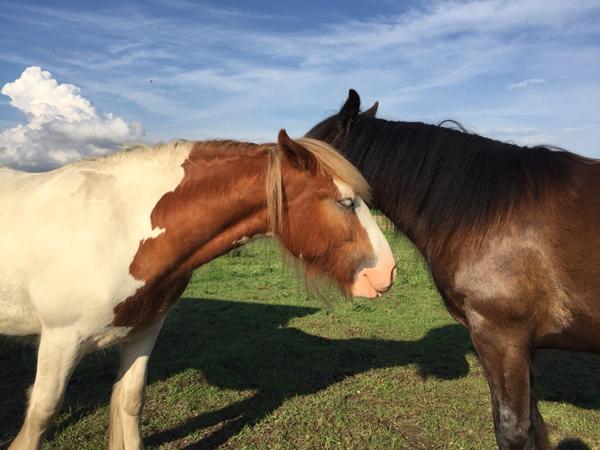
{"x":222,"y":199}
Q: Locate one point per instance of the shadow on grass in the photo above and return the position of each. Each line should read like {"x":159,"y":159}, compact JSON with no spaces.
{"x":572,"y":444}
{"x":246,"y":346}
{"x":236,"y":345}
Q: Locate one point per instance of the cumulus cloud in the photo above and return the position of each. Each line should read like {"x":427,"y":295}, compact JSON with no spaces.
{"x":62,"y":126}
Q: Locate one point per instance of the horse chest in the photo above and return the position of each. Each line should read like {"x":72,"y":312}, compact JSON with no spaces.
{"x":150,"y":303}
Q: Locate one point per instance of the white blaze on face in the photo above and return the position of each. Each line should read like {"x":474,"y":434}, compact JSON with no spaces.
{"x":379,"y":275}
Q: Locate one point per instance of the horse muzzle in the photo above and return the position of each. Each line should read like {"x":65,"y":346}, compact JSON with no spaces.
{"x":373,"y":282}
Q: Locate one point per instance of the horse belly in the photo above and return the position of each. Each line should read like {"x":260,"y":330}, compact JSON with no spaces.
{"x":41,"y":288}
{"x":17,"y":315}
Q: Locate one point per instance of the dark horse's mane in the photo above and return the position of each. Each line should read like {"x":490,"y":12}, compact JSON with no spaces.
{"x":454,"y":180}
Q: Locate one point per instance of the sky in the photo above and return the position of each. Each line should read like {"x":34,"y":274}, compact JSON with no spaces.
{"x":80,"y":79}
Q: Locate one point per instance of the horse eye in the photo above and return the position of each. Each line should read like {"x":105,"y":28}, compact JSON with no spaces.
{"x":347,"y":202}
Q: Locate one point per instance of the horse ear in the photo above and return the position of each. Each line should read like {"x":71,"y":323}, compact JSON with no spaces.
{"x":372,"y":111}
{"x":352,"y":105}
{"x":295,"y":153}
{"x":350,"y":110}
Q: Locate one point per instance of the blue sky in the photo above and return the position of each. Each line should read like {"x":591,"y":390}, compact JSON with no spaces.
{"x":527,"y":71}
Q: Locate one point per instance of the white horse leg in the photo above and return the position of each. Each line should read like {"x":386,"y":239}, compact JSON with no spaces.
{"x":58,"y":354}
{"x":127,"y":399}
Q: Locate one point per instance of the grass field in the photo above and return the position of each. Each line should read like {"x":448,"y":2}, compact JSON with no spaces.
{"x":247,"y":360}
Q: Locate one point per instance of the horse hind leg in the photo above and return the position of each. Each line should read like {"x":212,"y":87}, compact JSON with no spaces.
{"x":506,"y":358}
{"x":127,"y":399}
{"x":58,"y":355}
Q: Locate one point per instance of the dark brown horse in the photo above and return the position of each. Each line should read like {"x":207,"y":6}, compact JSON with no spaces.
{"x":511,"y":235}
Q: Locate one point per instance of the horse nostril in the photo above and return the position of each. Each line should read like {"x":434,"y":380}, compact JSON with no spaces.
{"x":394,"y":273}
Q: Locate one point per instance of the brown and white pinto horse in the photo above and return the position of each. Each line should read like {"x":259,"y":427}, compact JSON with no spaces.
{"x":511,"y":235}
{"x":95,"y":253}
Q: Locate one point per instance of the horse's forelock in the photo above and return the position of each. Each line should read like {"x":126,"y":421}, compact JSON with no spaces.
{"x":337,"y":166}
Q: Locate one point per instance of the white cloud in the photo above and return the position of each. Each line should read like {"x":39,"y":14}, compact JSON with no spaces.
{"x":525,"y":83}
{"x":62,"y":125}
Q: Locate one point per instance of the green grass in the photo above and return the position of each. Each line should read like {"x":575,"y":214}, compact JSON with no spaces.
{"x":247,"y":360}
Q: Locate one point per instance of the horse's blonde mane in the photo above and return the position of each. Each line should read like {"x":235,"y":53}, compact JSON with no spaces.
{"x":330,"y":163}
{"x":176,"y":145}
{"x":274,"y":189}
{"x":337,"y":166}
{"x":136,"y":150}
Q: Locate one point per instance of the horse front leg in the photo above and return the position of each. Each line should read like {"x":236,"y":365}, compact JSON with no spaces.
{"x":127,"y":399}
{"x":506,"y":359}
{"x":58,"y":353}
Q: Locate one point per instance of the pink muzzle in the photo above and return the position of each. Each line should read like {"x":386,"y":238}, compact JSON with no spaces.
{"x":372,"y":282}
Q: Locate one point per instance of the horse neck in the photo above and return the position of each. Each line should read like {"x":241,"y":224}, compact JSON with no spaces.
{"x":219,"y":204}
{"x":405,"y":213}
{"x":444,"y":188}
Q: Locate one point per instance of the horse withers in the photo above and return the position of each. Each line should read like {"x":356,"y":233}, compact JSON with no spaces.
{"x":96,"y":252}
{"x":511,"y":235}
